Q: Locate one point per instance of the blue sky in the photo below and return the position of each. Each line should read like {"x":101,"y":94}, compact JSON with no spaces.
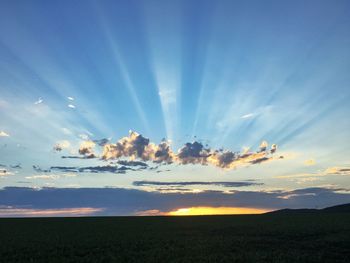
{"x":223,"y":76}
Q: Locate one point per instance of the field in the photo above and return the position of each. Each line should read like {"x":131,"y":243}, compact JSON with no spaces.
{"x":295,"y":237}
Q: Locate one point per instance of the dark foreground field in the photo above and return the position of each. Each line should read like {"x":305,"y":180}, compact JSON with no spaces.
{"x":279,"y":237}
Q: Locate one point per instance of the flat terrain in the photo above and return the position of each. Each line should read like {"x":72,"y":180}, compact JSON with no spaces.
{"x":276,"y":237}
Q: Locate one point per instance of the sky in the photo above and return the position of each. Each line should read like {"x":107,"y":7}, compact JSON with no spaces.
{"x":173,"y":107}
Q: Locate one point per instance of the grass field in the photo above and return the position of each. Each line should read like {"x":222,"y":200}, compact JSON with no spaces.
{"x":297,"y":237}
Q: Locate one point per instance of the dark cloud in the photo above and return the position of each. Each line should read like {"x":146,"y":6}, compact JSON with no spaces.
{"x":163,"y":153}
{"x":91,"y":156}
{"x":101,"y":142}
{"x":169,"y":189}
{"x":260,"y":160}
{"x":193,"y":153}
{"x":132,"y":163}
{"x":16,"y":166}
{"x":40,"y":170}
{"x":106,"y":168}
{"x":57,"y":148}
{"x":61,"y":145}
{"x":97,"y":169}
{"x":225,"y":184}
{"x":87,"y":149}
{"x":118,"y":201}
{"x":71,"y":169}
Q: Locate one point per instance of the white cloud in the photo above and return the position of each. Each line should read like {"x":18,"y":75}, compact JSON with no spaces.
{"x":4,"y":134}
{"x":39,"y":101}
{"x":44,"y":177}
{"x":250,"y":115}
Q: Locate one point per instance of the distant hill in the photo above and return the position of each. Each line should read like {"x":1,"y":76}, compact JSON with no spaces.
{"x":344,"y":208}
{"x":338,"y":208}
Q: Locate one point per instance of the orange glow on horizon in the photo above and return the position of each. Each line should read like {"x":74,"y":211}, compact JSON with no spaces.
{"x":202,"y":210}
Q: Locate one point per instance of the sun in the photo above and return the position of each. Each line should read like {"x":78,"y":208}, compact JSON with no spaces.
{"x":203,"y":210}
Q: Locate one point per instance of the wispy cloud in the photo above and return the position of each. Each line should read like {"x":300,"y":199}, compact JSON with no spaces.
{"x":344,"y":171}
{"x":338,"y":171}
{"x":27,"y":212}
{"x":39,"y":101}
{"x":97,"y":169}
{"x":246,"y":116}
{"x":225,"y":184}
{"x":44,"y":177}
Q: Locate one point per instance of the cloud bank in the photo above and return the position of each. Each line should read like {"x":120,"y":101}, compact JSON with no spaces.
{"x":135,"y":146}
{"x":119,"y":201}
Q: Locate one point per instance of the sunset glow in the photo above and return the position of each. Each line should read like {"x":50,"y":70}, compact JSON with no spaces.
{"x":192,"y":211}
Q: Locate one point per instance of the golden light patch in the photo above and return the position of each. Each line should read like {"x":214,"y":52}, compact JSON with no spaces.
{"x":191,"y":211}
{"x":310,"y":162}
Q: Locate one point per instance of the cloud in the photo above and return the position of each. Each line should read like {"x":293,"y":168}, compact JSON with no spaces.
{"x":225,"y":184}
{"x":329,"y":171}
{"x":97,"y":169}
{"x":249,"y":115}
{"x":78,"y":157}
{"x":5,"y":172}
{"x":40,"y":170}
{"x":135,"y":146}
{"x":101,"y":142}
{"x":132,"y":163}
{"x":84,"y":137}
{"x":193,"y":153}
{"x":152,"y":212}
{"x":39,"y":101}
{"x":310,"y":162}
{"x":4,"y":134}
{"x":263,"y":146}
{"x":87,"y":149}
{"x":59,"y":146}
{"x":44,"y":176}
{"x":16,"y":166}
{"x":25,"y":212}
{"x":337,"y":171}
{"x":119,"y":201}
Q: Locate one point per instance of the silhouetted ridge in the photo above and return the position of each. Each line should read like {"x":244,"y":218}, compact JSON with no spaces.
{"x":345,"y":208}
